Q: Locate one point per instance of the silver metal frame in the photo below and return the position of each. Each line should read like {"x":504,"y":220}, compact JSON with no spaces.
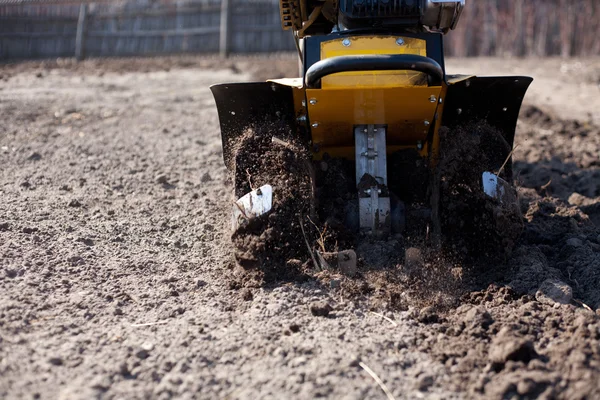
{"x":370,"y":151}
{"x":442,"y":14}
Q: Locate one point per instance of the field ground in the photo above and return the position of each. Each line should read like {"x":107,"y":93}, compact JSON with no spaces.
{"x":116,"y":273}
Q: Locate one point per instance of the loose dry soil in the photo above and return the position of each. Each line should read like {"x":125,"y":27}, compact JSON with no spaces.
{"x":116,"y":273}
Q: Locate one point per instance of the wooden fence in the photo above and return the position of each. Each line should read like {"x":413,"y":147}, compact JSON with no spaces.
{"x":134,"y":28}
{"x":64,"y":28}
{"x":527,"y":28}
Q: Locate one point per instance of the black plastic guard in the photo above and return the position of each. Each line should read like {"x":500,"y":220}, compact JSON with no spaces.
{"x":243,"y":105}
{"x":496,"y":100}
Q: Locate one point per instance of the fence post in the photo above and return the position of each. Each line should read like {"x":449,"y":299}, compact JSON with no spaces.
{"x":80,"y":38}
{"x":224,"y":28}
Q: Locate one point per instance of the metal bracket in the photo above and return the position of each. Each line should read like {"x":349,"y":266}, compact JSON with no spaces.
{"x":371,"y":179}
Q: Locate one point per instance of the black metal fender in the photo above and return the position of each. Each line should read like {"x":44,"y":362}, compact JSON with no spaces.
{"x":241,"y":106}
{"x":496,"y":100}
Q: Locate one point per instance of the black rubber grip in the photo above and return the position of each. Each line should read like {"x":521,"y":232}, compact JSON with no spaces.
{"x":377,"y":62}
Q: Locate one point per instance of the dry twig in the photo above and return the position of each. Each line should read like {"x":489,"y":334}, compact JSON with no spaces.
{"x":149,"y":324}
{"x":385,"y":389}
{"x":391,"y":321}
{"x":312,"y":256}
{"x":507,"y":158}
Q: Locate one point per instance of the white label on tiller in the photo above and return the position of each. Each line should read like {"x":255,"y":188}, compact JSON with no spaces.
{"x":254,"y":204}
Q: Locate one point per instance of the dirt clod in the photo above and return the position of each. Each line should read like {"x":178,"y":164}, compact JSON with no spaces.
{"x":554,"y":292}
{"x":320,"y":309}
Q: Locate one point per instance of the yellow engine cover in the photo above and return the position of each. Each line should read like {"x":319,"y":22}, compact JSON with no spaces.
{"x":399,"y":99}
{"x":369,"y":45}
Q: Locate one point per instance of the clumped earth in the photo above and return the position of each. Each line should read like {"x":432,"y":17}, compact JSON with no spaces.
{"x":117,"y":281}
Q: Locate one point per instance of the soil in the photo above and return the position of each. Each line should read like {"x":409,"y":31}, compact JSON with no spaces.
{"x":117,"y":280}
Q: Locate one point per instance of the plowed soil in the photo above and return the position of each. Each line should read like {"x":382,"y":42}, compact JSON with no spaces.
{"x":116,"y":272}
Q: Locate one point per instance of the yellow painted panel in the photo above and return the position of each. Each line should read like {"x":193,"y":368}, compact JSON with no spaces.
{"x":407,"y":112}
{"x":366,"y":45}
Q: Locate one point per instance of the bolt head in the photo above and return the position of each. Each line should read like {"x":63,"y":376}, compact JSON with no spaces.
{"x":315,"y":125}
{"x":400,"y":42}
{"x":346,"y":42}
{"x":313,"y":101}
{"x":426,"y":123}
{"x":433,"y":99}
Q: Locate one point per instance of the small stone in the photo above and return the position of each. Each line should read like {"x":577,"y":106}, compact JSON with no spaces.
{"x":147,"y":346}
{"x":117,"y":311}
{"x":526,"y":386}
{"x":428,"y":316}
{"x":425,"y":383}
{"x":55,"y":361}
{"x":294,"y":328}
{"x":35,"y":156}
{"x":86,"y":241}
{"x":320,"y":309}
{"x":247,"y":295}
{"x":29,"y":229}
{"x":200,"y":283}
{"x":162,"y":179}
{"x":74,"y":203}
{"x":553,"y":291}
{"x":574,"y":242}
{"x":142,"y":354}
{"x":4,"y":226}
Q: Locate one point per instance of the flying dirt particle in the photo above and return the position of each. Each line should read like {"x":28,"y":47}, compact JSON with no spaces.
{"x":320,"y":309}
{"x":553,"y":291}
{"x":55,"y":361}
